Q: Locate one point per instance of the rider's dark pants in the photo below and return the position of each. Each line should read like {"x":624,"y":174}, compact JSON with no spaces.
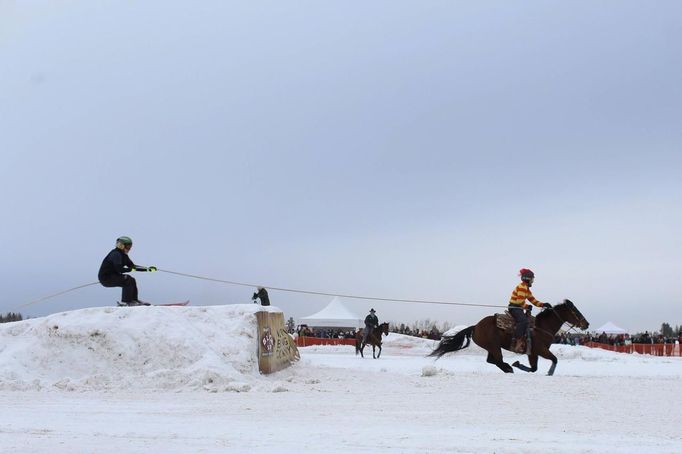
{"x":129,"y":292}
{"x":521,"y":321}
{"x":366,"y":333}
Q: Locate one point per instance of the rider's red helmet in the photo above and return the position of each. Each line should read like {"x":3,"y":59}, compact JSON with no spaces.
{"x":526,"y":274}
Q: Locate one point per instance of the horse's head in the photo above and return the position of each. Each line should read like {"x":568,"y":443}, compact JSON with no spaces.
{"x":384,"y":328}
{"x":571,"y":314}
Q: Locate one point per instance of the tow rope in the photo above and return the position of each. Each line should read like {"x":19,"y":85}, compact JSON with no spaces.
{"x":341,"y":295}
{"x":280,"y":289}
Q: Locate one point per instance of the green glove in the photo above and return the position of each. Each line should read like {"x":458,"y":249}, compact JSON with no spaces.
{"x":151,"y":269}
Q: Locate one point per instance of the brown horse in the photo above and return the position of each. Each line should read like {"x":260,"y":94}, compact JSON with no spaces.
{"x":487,"y":335}
{"x":374,"y":338}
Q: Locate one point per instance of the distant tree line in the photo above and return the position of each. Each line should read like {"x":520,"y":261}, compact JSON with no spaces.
{"x":421,"y":328}
{"x":11,"y":317}
{"x":668,"y":331}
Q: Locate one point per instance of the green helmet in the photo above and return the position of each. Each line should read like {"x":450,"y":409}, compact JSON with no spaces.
{"x":124,"y":240}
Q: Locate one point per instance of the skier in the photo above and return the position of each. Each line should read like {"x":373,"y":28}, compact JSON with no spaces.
{"x":112,"y":272}
{"x":261,"y":294}
{"x":517,"y":303}
{"x":371,"y":322}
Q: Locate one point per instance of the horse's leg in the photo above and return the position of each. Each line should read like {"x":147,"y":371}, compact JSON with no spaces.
{"x":532,"y":360}
{"x":495,"y":357}
{"x":379,"y":354}
{"x":545,"y":353}
{"x":553,"y":366}
{"x":536,"y":349}
{"x":374,"y":350}
{"x":487,"y":336}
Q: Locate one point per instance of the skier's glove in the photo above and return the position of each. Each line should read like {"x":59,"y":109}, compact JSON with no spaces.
{"x":151,"y":269}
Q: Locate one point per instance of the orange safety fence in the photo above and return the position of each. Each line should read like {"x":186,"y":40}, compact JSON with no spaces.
{"x":305,"y":341}
{"x":642,"y":349}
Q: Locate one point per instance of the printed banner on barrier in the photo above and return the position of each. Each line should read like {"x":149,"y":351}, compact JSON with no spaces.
{"x":276,"y":348}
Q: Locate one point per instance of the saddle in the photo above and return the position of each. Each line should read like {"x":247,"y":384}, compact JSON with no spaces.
{"x":507,"y":323}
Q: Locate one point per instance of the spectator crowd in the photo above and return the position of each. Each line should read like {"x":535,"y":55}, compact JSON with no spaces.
{"x":345,"y":333}
{"x":616,"y":339}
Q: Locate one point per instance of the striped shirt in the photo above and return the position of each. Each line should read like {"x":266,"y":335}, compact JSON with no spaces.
{"x":522,"y":293}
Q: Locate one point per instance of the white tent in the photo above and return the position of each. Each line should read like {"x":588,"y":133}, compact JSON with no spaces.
{"x":334,"y":315}
{"x":610,"y":328}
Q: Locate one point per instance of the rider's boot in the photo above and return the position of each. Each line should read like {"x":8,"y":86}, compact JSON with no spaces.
{"x":518,"y":345}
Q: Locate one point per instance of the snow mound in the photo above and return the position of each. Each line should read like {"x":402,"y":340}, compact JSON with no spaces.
{"x":401,"y":341}
{"x":151,"y":348}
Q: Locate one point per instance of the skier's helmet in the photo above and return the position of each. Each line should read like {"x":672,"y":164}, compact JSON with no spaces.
{"x":526,"y":275}
{"x":124,"y":241}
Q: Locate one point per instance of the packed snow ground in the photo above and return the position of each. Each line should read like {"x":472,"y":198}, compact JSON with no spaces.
{"x":181,"y":380}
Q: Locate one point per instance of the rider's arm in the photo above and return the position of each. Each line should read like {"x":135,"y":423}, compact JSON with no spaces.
{"x":533,"y":300}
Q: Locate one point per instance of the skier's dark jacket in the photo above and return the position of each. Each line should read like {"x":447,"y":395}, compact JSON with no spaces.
{"x":115,"y":264}
{"x":263,"y":295}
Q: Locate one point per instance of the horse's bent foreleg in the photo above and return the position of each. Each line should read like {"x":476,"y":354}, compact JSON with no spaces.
{"x":532,"y":359}
{"x":379,"y":354}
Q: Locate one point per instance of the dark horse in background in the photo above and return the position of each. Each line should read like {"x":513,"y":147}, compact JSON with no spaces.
{"x":374,"y":338}
{"x":487,"y":335}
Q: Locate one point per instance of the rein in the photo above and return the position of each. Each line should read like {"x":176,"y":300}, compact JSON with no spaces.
{"x":572,"y":325}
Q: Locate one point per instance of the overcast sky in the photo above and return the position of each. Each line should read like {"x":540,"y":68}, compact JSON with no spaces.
{"x":396,"y":149}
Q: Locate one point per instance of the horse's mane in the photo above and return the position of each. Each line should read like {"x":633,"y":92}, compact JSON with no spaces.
{"x":544,"y":314}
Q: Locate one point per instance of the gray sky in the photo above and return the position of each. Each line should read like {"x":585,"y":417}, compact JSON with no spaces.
{"x":396,"y":149}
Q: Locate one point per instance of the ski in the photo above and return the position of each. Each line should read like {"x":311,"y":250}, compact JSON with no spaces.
{"x":144,"y":303}
{"x":183,"y":303}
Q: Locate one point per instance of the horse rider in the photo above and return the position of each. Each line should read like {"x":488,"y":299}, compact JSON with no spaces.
{"x":371,"y":322}
{"x":517,"y":304}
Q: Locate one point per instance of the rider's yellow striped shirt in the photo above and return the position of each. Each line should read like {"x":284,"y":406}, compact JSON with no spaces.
{"x":522,"y":293}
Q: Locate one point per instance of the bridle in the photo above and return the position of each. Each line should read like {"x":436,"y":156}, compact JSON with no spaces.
{"x":576,"y":316}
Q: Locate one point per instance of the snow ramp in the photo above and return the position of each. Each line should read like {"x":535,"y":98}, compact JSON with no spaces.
{"x":214,"y":348}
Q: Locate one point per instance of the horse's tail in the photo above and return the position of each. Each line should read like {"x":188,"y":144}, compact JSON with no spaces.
{"x":453,"y":343}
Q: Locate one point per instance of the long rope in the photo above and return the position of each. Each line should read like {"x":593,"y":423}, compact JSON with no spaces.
{"x":281,"y":289}
{"x":341,"y":295}
{"x":56,"y":294}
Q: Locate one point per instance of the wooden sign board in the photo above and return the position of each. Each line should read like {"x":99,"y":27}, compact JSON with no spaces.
{"x":276,"y":348}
